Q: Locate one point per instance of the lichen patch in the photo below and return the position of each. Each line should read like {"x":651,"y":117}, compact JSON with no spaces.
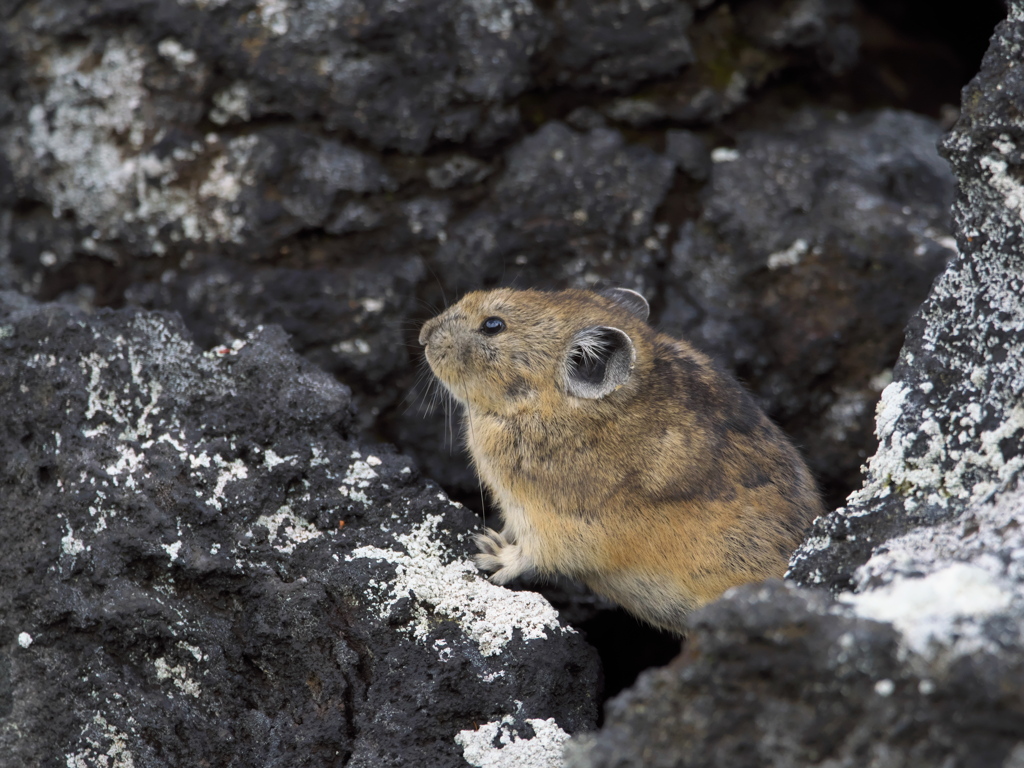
{"x":454,"y":590}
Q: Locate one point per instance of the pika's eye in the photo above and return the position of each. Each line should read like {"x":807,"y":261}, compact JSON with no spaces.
{"x":492,"y":326}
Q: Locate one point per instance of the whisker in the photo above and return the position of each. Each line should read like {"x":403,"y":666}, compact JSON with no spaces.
{"x":444,"y":296}
{"x":417,"y":394}
{"x":449,"y":411}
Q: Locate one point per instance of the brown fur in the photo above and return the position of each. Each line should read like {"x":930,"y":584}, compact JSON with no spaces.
{"x":660,"y":495}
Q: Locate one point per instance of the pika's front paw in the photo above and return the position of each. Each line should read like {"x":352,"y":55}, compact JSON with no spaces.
{"x":500,"y":555}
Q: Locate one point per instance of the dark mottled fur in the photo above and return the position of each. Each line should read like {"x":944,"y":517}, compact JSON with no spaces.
{"x":660,"y":491}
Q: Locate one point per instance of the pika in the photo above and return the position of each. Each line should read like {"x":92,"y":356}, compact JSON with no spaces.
{"x":618,"y":456}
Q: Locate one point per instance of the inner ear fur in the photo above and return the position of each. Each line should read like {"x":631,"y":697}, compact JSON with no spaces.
{"x":599,"y":361}
{"x":631,"y":300}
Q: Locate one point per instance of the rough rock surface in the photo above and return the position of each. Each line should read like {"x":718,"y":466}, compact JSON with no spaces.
{"x":951,"y":425}
{"x":916,"y":657}
{"x":572,"y":208}
{"x":779,"y":676}
{"x":614,"y":45}
{"x":342,"y":319}
{"x":202,"y":566}
{"x":726,"y":72}
{"x":815,"y":245}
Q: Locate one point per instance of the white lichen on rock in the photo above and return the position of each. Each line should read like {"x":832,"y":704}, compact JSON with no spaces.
{"x":88,"y":129}
{"x":89,"y":142}
{"x":939,"y":611}
{"x":937,"y":585}
{"x":454,"y":590}
{"x":544,"y":750}
{"x":359,"y":476}
{"x":105,"y":746}
{"x":288,"y":530}
{"x":178,"y":675}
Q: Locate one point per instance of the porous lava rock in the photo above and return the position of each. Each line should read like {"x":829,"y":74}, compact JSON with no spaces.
{"x":816,"y":243}
{"x":202,"y":566}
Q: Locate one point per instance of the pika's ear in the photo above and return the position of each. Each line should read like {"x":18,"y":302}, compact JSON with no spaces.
{"x":631,"y":300}
{"x":599,"y":361}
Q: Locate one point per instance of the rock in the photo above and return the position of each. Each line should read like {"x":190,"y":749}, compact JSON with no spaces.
{"x":590,"y":195}
{"x":726,"y":74}
{"x":690,"y":152}
{"x":816,"y":244}
{"x":458,"y":170}
{"x":111,"y":127}
{"x":920,"y":658}
{"x":202,"y":566}
{"x":775,"y":675}
{"x":951,"y":425}
{"x":344,"y":320}
{"x":613,"y":45}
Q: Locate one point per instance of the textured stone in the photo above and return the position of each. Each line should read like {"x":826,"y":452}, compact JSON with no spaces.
{"x":613,"y":45}
{"x":951,"y":425}
{"x":737,"y":49}
{"x":778,"y":676}
{"x":203,"y":566}
{"x":341,"y":319}
{"x":815,"y":245}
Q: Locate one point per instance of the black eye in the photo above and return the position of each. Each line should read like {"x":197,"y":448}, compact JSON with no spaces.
{"x":492,"y":326}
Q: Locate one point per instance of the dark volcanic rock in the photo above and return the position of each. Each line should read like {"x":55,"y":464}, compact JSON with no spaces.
{"x":737,"y":48}
{"x":613,"y":45}
{"x":772,"y":676}
{"x":347,"y":321}
{"x":570,"y":209}
{"x":140,"y":126}
{"x":951,"y":425}
{"x":201,"y":566}
{"x":815,"y":246}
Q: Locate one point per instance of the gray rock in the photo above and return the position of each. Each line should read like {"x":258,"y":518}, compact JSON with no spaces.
{"x":342,"y":319}
{"x":589,"y":195}
{"x":951,"y":425}
{"x":690,"y":152}
{"x":109,"y":128}
{"x":458,"y":170}
{"x":612,"y":45}
{"x":724,"y":75}
{"x":815,"y":246}
{"x":779,"y":676}
{"x":202,"y":566}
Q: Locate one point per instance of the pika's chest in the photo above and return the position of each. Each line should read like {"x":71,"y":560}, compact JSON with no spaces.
{"x":526,"y":445}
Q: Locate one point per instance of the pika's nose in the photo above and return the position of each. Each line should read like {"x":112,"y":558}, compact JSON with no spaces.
{"x":428,"y":328}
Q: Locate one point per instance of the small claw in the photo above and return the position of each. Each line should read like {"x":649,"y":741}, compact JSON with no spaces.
{"x":498,"y":554}
{"x":490,"y":542}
